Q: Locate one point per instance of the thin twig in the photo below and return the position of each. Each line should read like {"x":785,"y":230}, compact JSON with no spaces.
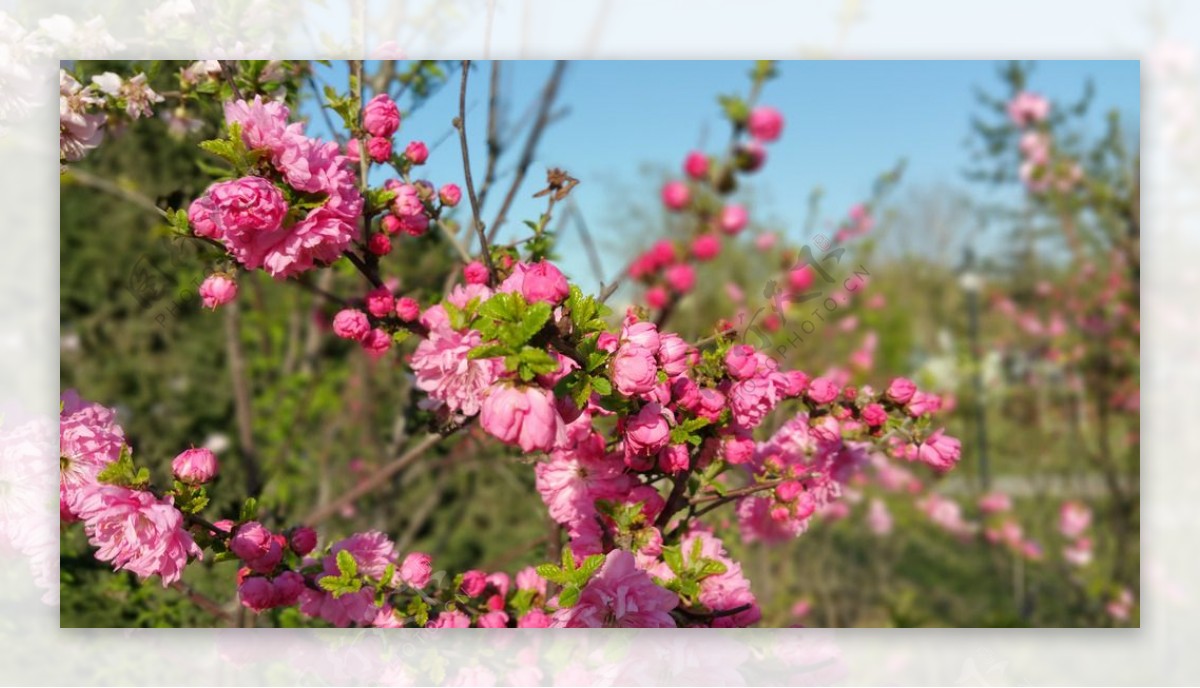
{"x":588,"y":244}
{"x":548,"y":93}
{"x":227,"y":72}
{"x":203,"y":602}
{"x":242,"y":398}
{"x":379,"y":477}
{"x":461,"y":124}
{"x":494,"y":144}
{"x":92,"y":181}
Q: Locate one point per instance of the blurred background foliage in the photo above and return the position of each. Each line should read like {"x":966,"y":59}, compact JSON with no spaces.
{"x":316,"y":416}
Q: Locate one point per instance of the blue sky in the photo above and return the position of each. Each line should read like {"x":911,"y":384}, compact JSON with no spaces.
{"x":846,"y":122}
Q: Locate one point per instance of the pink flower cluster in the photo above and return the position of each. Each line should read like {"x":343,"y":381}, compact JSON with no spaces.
{"x":89,"y":440}
{"x":665,"y":269}
{"x":299,"y":213}
{"x":135,"y":531}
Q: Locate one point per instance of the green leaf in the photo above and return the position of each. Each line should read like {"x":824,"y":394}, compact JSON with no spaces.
{"x":488,"y":351}
{"x":674,"y":559}
{"x":568,"y":597}
{"x":602,"y":385}
{"x":348,"y":566}
{"x":249,"y":510}
{"x":552,"y":573}
{"x":418,"y":610}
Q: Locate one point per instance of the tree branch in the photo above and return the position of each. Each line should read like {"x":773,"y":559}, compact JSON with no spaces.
{"x":460,"y":123}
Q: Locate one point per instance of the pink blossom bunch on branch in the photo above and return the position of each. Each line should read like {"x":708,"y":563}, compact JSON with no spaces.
{"x":634,"y":432}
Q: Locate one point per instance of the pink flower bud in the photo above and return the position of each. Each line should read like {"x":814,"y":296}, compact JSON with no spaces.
{"x":734,"y":219}
{"x":376,"y":343}
{"x":534,"y":618}
{"x":195,"y":466}
{"x":874,"y":415}
{"x":634,"y":370}
{"x":524,"y":416}
{"x":822,"y":390}
{"x":737,"y":450}
{"x":416,"y":570}
{"x":379,"y":244}
{"x":647,"y":431}
{"x":676,"y":195}
{"x":741,"y":361}
{"x":379,"y":148}
{"x":381,"y":117}
{"x":765,"y":124}
{"x":901,"y":390}
{"x":302,"y":540}
{"x":350,"y":323}
{"x":474,"y":582}
{"x":696,"y":165}
{"x":940,"y":451}
{"x":256,"y":593}
{"x":256,"y":546}
{"x":416,"y":152}
{"x":682,"y":278}
{"x":407,"y":309}
{"x":390,"y":224}
{"x":217,"y":290}
{"x":380,"y":302}
{"x":789,"y":490}
{"x":706,"y":247}
{"x":656,"y":297}
{"x":450,"y":195}
{"x":673,"y":458}
{"x":922,"y":403}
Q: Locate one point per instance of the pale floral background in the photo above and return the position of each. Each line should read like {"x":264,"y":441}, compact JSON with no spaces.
{"x":36,"y":34}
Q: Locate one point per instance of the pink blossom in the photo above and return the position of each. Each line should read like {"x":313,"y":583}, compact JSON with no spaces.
{"x":676,"y":195}
{"x":264,"y":124}
{"x":723,"y":591}
{"x":765,"y":123}
{"x":528,"y":579}
{"x":524,"y":416}
{"x":416,"y":152}
{"x":380,"y":302}
{"x":416,"y":569}
{"x":800,"y":280}
{"x":445,"y":372}
{"x":741,"y":361}
{"x":751,"y":156}
{"x":302,"y":540}
{"x":379,"y":149}
{"x":1073,"y":519}
{"x":940,"y":451}
{"x":874,"y":415}
{"x":89,"y":440}
{"x":544,"y":282}
{"x":259,"y":593}
{"x":901,"y":390}
{"x":751,"y":400}
{"x":217,"y":290}
{"x":257,"y":547}
{"x":706,"y":247}
{"x":350,"y":323}
{"x":634,"y":369}
{"x":245,"y":205}
{"x":648,"y":430}
{"x":451,"y":619}
{"x":450,"y":195}
{"x":381,"y":117}
{"x":572,"y":481}
{"x":1121,"y":607}
{"x":379,"y":244}
{"x":135,"y":531}
{"x":387,"y":618}
{"x":195,"y":466}
{"x":922,"y":403}
{"x":619,"y":595}
{"x":733,"y":219}
{"x":1028,"y":108}
{"x":879,"y":519}
{"x":534,"y":618}
{"x":474,"y":582}
{"x":674,"y":458}
{"x":475,"y":272}
{"x":738,"y":450}
{"x":1079,"y":552}
{"x":353,"y":607}
{"x":376,"y":343}
{"x":656,"y":297}
{"x":673,"y":354}
{"x":493,"y":619}
{"x":822,"y":390}
{"x":995,"y":503}
{"x":696,"y":165}
{"x":681,"y":277}
{"x":407,"y":309}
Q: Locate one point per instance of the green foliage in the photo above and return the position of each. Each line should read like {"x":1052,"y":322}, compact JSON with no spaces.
{"x":569,"y":576}
{"x":123,"y":472}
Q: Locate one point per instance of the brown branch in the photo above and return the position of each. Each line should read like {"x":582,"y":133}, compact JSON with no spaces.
{"x":242,"y":398}
{"x":588,"y":245}
{"x":379,"y":478}
{"x":91,"y":181}
{"x":227,"y":72}
{"x":494,"y":145}
{"x":460,"y":123}
{"x":548,"y":93}
{"x":204,"y":602}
